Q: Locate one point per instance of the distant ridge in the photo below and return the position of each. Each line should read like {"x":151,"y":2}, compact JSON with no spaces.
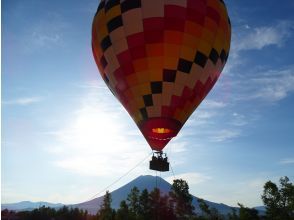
{"x":27,"y":205}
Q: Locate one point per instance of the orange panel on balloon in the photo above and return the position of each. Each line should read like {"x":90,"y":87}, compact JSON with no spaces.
{"x":161,"y":58}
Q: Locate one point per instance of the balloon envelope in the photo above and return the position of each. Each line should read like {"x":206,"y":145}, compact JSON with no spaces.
{"x":160,"y":58}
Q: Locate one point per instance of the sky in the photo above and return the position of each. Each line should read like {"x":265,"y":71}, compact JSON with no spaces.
{"x":65,"y":137}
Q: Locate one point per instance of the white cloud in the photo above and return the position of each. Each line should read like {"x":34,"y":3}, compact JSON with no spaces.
{"x":255,"y":38}
{"x":271,"y":85}
{"x":192,"y":178}
{"x":257,"y":183}
{"x":274,"y":85}
{"x":22,"y":101}
{"x":225,"y":135}
{"x":287,"y":161}
{"x":205,"y":112}
{"x":260,"y":37}
{"x":212,"y":104}
{"x":176,"y":146}
{"x":46,"y":33}
{"x":45,"y":39}
{"x":239,"y":120}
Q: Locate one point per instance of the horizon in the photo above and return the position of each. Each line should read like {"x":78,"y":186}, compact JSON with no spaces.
{"x":121,"y":189}
{"x":64,"y":131}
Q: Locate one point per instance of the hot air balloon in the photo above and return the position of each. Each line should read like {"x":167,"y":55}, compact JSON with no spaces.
{"x":160,"y":58}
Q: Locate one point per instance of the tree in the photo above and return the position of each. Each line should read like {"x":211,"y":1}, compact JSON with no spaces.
{"x":182,"y":199}
{"x":207,"y":212}
{"x":133,"y":202}
{"x":144,"y":205}
{"x":204,"y":207}
{"x":166,"y":209}
{"x":159,"y":206}
{"x":215,"y":215}
{"x":233,"y":215}
{"x":279,"y":201}
{"x":247,"y":213}
{"x":106,"y":212}
{"x":154,"y":201}
{"x":123,"y":211}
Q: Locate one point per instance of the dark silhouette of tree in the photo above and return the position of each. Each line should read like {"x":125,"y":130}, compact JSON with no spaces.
{"x":123,"y":211}
{"x":47,"y":213}
{"x":247,"y":213}
{"x":166,"y":209}
{"x":279,"y":201}
{"x":144,"y":206}
{"x":207,"y":212}
{"x":160,"y":207}
{"x":133,"y":202}
{"x":233,"y":215}
{"x":203,"y":207}
{"x":182,"y":199}
{"x":154,"y":199}
{"x":106,"y":212}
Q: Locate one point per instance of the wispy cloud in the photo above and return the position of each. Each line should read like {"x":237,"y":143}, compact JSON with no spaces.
{"x":22,"y":101}
{"x":259,"y":37}
{"x":239,"y":120}
{"x":270,"y":85}
{"x":225,"y":135}
{"x":265,"y":83}
{"x":47,"y":33}
{"x":287,"y":161}
{"x":45,"y":39}
{"x":212,"y":104}
{"x":246,"y":38}
{"x":274,"y":85}
{"x":205,"y":112}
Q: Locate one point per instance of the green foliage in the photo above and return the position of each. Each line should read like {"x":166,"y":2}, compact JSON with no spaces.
{"x":46,"y":213}
{"x":204,"y":207}
{"x":279,"y":201}
{"x":106,"y":212}
{"x":233,"y":215}
{"x":182,"y":199}
{"x":247,"y":213}
{"x":133,"y":202}
{"x":123,"y":211}
{"x":207,"y":212}
{"x":159,"y":206}
{"x":144,"y":206}
{"x":154,"y":201}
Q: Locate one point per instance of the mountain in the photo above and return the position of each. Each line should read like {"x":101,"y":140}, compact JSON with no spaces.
{"x":261,"y":209}
{"x":143,"y":182}
{"x":27,"y":205}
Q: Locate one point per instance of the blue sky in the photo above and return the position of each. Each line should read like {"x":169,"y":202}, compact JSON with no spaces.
{"x":65,"y":137}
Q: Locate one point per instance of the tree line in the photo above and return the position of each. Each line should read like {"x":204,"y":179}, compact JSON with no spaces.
{"x":175,"y":205}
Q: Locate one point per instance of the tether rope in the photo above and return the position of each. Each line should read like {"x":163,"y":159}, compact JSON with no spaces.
{"x":118,"y":179}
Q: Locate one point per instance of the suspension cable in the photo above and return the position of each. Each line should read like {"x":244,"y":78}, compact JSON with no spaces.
{"x":118,"y":179}
{"x":171,"y":168}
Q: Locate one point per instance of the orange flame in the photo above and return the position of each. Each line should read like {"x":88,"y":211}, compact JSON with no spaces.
{"x":161,"y":130}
